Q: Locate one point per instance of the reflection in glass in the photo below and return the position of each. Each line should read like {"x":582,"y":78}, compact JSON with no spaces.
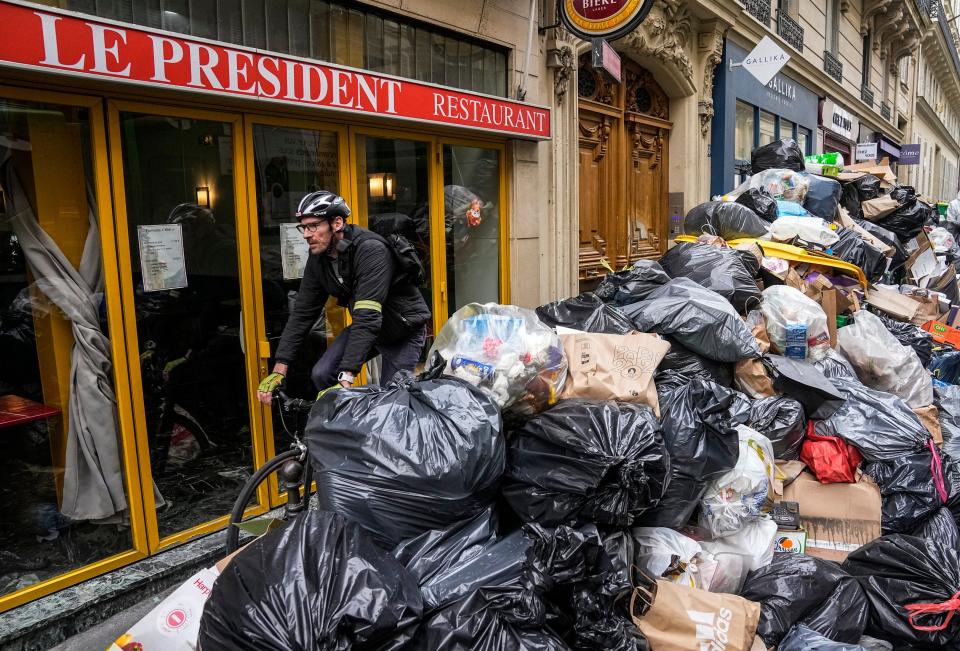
{"x":187,"y":301}
{"x":786,"y":128}
{"x":744,"y":131}
{"x":290,"y":163}
{"x":471,"y":212}
{"x":61,"y":478}
{"x":803,"y":140}
{"x":767,"y":128}
{"x":393,"y":190}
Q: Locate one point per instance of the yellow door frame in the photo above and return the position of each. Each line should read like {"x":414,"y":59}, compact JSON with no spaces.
{"x":249,"y":341}
{"x":263,"y":345}
{"x":104,"y":214}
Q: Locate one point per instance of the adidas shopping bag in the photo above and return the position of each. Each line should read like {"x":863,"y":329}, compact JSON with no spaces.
{"x":675,"y":617}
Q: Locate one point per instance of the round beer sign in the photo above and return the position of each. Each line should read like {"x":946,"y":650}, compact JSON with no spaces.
{"x":608,"y":19}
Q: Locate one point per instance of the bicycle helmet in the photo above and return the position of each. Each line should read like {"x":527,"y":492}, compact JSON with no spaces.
{"x":323,"y":204}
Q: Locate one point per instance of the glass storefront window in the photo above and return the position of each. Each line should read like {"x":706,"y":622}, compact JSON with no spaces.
{"x":786,"y":129}
{"x":471,"y":212}
{"x":745,"y":131}
{"x":393,"y":188}
{"x":803,"y":140}
{"x":62,"y":486}
{"x":768,"y":128}
{"x":288,"y":164}
{"x":181,"y":220}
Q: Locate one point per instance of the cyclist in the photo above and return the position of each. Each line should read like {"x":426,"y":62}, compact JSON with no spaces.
{"x":356,"y":266}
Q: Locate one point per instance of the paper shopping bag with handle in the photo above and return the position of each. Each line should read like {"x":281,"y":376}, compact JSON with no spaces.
{"x":675,"y":617}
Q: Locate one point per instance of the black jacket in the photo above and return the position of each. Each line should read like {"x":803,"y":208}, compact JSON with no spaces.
{"x":362,"y":273}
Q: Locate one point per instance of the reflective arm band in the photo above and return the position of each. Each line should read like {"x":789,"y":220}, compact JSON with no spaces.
{"x":367,"y":305}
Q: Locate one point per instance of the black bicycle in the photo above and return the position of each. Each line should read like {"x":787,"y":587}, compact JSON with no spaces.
{"x":292,"y":465}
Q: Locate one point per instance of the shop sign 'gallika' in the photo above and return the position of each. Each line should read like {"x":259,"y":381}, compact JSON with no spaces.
{"x":37,"y":38}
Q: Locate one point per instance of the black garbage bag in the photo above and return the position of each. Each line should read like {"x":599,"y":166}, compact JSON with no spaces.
{"x":727,"y":219}
{"x":911,"y":583}
{"x":903,"y":193}
{"x":319,"y":582}
{"x":947,"y":400}
{"x":823,"y":197}
{"x":909,"y":335}
{"x":414,"y":456}
{"x":900,"y":253}
{"x":854,"y":249}
{"x":940,"y":527}
{"x":761,"y":202}
{"x":806,"y":384}
{"x":633,"y":284}
{"x":584,"y":461}
{"x":781,"y":420}
{"x":908,"y":489}
{"x":796,"y":588}
{"x":835,"y":365}
{"x":722,"y":270}
{"x":879,"y":424}
{"x":804,"y":638}
{"x":586,"y":312}
{"x":779,"y":154}
{"x":906,"y":221}
{"x":867,"y":186}
{"x":681,"y":365}
{"x":850,"y":199}
{"x":698,"y":318}
{"x":945,"y":366}
{"x":699,"y":423}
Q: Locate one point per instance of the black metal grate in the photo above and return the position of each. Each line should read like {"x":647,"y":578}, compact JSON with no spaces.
{"x":832,"y":66}
{"x":759,"y":9}
{"x":866,"y":95}
{"x":790,"y":30}
{"x":885,"y":111}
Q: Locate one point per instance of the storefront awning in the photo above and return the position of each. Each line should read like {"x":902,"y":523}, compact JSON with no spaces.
{"x":888,"y":148}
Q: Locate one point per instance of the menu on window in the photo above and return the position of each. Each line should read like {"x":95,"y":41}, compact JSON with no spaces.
{"x":161,"y":257}
{"x":293,"y":252}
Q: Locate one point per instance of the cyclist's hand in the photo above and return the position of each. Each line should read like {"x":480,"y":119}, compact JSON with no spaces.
{"x":329,"y":389}
{"x":168,"y":369}
{"x":268,"y":386}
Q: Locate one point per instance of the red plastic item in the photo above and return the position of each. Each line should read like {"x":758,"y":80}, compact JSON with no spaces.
{"x":831,"y":459}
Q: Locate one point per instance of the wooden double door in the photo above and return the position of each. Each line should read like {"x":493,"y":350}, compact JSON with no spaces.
{"x":623,"y":143}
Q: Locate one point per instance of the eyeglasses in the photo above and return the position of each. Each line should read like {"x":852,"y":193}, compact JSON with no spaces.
{"x":308,"y":228}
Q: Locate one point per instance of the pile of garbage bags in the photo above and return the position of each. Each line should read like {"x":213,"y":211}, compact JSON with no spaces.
{"x":746,"y":444}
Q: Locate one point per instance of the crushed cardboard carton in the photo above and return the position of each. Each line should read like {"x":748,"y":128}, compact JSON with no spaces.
{"x":838,"y":518}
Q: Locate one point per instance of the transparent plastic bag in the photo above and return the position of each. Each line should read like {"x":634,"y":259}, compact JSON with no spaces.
{"x":507,"y":352}
{"x":809,"y":229}
{"x":942,"y":240}
{"x":739,"y":496}
{"x":784,"y":305}
{"x":748,"y":549}
{"x":882,"y":362}
{"x":782,"y":184}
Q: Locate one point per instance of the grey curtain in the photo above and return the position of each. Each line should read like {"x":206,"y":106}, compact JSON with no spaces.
{"x":93,"y":475}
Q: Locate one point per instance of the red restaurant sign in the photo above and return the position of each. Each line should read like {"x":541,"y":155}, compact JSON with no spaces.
{"x":38,"y":38}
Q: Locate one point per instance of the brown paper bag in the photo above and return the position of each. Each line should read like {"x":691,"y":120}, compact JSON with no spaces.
{"x":930,"y":418}
{"x":613,"y":367}
{"x":689,"y":619}
{"x":874,"y":209}
{"x":750,"y":376}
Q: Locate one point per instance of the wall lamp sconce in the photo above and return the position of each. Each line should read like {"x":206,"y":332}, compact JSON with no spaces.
{"x":203,"y":196}
{"x":382,"y":186}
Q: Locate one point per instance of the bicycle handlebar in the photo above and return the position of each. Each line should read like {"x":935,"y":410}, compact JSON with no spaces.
{"x":291,"y":405}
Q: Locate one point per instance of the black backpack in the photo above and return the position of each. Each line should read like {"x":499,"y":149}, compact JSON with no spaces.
{"x":409,"y":268}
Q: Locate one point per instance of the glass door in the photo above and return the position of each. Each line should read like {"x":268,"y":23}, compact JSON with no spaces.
{"x":181,"y":233}
{"x":393,"y":176}
{"x":289,"y":159}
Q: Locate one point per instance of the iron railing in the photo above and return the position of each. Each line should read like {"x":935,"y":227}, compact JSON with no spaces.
{"x":885,"y":110}
{"x":790,"y":30}
{"x":759,"y":9}
{"x":866,"y":95}
{"x":833,"y":66}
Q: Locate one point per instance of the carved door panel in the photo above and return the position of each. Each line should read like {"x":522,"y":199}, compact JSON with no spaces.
{"x":646,"y":193}
{"x":597,"y":163}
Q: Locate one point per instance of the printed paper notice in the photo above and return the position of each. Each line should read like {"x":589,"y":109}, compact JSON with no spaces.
{"x":161,"y":257}
{"x":293,"y":252}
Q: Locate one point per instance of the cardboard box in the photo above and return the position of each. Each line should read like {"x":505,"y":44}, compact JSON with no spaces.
{"x":837,"y":518}
{"x":790,"y":541}
{"x":900,"y":307}
{"x":943,"y":333}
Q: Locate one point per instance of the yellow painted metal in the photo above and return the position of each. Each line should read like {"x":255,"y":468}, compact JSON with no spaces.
{"x":103,"y":211}
{"x":795,"y":254}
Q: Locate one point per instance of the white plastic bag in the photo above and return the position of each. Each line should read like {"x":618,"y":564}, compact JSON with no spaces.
{"x":882,"y":362}
{"x":738,"y":496}
{"x":666,"y":553}
{"x":507,"y":352}
{"x":942,"y":240}
{"x":781,"y":184}
{"x":738,"y":554}
{"x":808,"y":229}
{"x":784,"y":305}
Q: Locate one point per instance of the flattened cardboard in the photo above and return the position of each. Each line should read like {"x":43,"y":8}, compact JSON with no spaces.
{"x":930,"y":417}
{"x":828,"y":301}
{"x":900,"y":307}
{"x":874,"y":209}
{"x":847,"y":222}
{"x":838,"y":518}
